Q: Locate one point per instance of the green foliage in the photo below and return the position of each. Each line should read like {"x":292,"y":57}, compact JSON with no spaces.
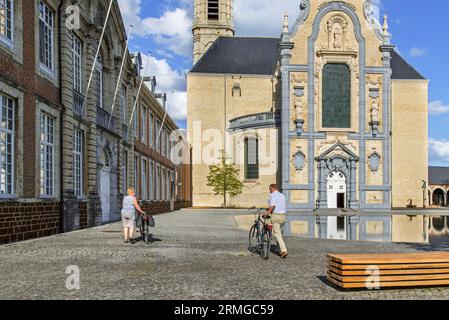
{"x":224,"y":179}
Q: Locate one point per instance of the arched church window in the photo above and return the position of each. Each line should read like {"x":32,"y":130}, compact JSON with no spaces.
{"x":212,"y":9}
{"x":251,"y":158}
{"x":336,"y":108}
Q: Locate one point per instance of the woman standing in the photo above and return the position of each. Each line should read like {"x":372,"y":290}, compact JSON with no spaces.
{"x":129,"y":208}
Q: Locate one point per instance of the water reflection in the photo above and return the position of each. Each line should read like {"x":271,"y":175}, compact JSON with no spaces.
{"x":404,"y":227}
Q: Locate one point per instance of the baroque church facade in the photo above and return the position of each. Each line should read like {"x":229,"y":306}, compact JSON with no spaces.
{"x":329,"y":111}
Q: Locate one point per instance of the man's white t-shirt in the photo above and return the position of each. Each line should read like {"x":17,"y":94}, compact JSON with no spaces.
{"x":277,"y":200}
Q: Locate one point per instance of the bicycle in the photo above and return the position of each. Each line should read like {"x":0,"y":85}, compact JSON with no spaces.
{"x":260,"y":236}
{"x":147,"y":221}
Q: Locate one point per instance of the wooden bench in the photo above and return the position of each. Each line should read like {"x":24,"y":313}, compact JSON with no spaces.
{"x":369,"y":271}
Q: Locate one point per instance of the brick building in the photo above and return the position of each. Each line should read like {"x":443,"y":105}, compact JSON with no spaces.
{"x":67,"y":153}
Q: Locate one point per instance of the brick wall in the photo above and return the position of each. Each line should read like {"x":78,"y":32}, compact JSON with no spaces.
{"x":156,"y":207}
{"x":23,"y":221}
{"x":182,"y":204}
{"x":25,"y":77}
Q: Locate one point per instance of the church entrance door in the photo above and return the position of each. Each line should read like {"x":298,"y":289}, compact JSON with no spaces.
{"x":336,"y":190}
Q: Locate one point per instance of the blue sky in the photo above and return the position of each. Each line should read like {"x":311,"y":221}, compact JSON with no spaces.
{"x":418,"y":31}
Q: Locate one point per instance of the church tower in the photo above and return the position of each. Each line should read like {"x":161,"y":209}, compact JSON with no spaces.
{"x":212,"y":19}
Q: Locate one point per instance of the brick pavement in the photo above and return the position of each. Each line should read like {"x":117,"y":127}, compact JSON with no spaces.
{"x":197,"y":255}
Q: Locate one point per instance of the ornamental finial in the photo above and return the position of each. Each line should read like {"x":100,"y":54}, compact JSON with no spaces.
{"x":285,"y":23}
{"x":385,"y":26}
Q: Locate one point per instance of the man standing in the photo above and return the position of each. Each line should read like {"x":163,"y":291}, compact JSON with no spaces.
{"x":276,"y":212}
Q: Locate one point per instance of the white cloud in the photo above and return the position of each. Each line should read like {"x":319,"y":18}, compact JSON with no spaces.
{"x":418,"y":52}
{"x":169,"y":81}
{"x":263,"y":17}
{"x":171,"y":30}
{"x":439,"y":151}
{"x":438,"y":107}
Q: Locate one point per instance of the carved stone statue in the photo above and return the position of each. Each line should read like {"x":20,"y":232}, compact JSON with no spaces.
{"x":375,"y":112}
{"x":338,"y":38}
{"x":298,"y":108}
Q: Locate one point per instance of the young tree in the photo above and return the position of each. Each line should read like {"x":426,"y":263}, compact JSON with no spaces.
{"x":223,"y":178}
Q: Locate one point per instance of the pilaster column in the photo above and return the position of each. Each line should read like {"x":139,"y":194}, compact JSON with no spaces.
{"x":353,"y":222}
{"x":353,"y":197}
{"x":322,"y":192}
{"x":322,"y":222}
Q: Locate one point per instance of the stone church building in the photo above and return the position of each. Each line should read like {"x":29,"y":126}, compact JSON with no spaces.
{"x":330,"y":110}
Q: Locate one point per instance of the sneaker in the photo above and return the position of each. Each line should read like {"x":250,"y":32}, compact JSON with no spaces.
{"x":284,"y":255}
{"x":126,"y":241}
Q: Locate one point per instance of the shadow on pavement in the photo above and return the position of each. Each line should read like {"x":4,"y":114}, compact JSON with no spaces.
{"x":152,"y":239}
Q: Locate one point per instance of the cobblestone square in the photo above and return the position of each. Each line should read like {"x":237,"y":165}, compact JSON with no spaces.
{"x":197,"y":254}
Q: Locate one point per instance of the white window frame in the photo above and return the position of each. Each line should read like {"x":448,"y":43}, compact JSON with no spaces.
{"x":167,"y":184}
{"x":158,"y":138}
{"x":143,"y":178}
{"x":100,"y":74}
{"x":158,"y":181}
{"x":163,"y":141}
{"x":78,"y":157}
{"x":123,"y":104}
{"x":44,"y":12}
{"x":3,"y":37}
{"x":136,"y":174}
{"x":163,"y":183}
{"x":151,"y":180}
{"x":167,"y":145}
{"x":11,"y":133}
{"x":47,"y":177}
{"x":134,"y":124}
{"x":143,"y":124}
{"x":151,"y":128}
{"x":77,"y":57}
{"x":125,"y":171}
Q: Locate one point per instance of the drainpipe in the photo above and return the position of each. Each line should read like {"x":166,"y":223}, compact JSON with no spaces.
{"x":61,"y":123}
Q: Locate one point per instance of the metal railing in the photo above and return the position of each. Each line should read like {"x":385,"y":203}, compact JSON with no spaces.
{"x":103,"y":119}
{"x":264,"y":119}
{"x":78,"y":101}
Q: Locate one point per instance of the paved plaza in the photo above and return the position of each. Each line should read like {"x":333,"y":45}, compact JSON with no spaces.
{"x":197,"y":254}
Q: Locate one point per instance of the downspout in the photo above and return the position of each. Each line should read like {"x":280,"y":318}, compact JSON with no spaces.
{"x":61,"y":122}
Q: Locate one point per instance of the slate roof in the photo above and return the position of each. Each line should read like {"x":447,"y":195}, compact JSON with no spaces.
{"x":438,"y":175}
{"x":240,"y":55}
{"x":402,"y":70}
{"x":250,"y":55}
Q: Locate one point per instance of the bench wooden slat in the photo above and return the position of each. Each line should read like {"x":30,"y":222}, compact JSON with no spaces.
{"x":388,"y":278}
{"x":391,"y":258}
{"x":399,"y":284}
{"x":362,"y":272}
{"x":389,"y":266}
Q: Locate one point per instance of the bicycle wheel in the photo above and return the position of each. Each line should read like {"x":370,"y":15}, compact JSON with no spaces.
{"x":141,"y":228}
{"x":146,"y":235}
{"x":253,"y":238}
{"x":266,"y":244}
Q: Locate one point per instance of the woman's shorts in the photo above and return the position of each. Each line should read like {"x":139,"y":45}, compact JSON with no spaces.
{"x":128,"y":218}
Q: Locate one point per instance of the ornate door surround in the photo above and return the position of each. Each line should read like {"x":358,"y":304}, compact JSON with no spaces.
{"x":337,"y":158}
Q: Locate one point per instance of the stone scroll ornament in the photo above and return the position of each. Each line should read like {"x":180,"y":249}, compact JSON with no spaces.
{"x":374,"y":162}
{"x":298,"y":103}
{"x":374,"y":112}
{"x":299,"y":160}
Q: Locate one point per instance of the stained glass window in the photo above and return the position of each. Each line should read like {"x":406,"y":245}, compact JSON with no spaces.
{"x":336,"y":109}
{"x":251,"y":158}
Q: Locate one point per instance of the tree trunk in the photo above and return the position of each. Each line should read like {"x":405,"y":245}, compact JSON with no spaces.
{"x":225,"y":189}
{"x":224,"y":197}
